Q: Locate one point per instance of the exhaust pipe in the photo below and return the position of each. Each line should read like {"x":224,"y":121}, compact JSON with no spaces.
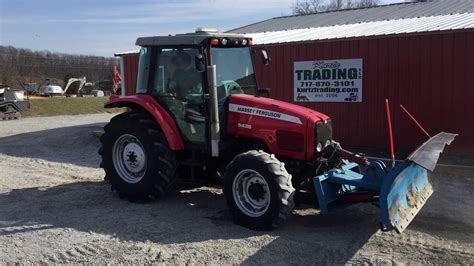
{"x":215,"y":130}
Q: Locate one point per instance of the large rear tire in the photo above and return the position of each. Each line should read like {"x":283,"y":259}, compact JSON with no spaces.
{"x":136,"y":157}
{"x":258,"y":190}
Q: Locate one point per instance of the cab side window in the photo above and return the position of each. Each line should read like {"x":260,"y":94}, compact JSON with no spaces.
{"x":179,"y":86}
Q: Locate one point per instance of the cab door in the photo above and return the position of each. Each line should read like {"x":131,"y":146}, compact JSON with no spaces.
{"x":180,"y":88}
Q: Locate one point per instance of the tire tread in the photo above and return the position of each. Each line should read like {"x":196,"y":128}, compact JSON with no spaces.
{"x":153,"y":137}
{"x":282,"y":178}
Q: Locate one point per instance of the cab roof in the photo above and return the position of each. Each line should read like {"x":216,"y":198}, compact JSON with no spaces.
{"x":195,"y":38}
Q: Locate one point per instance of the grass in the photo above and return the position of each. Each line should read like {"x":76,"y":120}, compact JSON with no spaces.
{"x":68,"y":106}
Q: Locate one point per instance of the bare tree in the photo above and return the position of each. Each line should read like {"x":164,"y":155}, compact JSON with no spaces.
{"x":306,"y":7}
{"x":19,"y":66}
{"x":350,"y":4}
{"x":336,"y":5}
{"x":367,"y":3}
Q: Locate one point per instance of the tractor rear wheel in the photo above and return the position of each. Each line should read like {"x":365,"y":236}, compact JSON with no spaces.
{"x":136,"y":157}
{"x":258,"y":190}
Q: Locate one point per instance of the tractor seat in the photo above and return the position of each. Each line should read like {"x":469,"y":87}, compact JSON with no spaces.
{"x":194,"y":116}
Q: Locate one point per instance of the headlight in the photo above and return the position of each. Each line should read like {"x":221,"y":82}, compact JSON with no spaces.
{"x":319,"y":147}
{"x":224,"y":41}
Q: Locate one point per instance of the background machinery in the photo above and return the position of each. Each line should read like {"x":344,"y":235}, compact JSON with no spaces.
{"x":12,"y":103}
{"x":197,"y":113}
{"x":51,"y":88}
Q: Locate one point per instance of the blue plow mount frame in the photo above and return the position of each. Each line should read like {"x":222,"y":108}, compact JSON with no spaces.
{"x":399,"y":193}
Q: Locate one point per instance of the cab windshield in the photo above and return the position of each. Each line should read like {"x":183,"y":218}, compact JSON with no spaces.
{"x":234,"y":71}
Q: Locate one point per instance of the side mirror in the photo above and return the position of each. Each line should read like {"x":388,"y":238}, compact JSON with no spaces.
{"x":264,"y":92}
{"x":265,"y":57}
{"x":199,"y":63}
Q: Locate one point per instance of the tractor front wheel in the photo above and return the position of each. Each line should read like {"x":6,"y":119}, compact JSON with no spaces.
{"x":258,"y":190}
{"x":136,"y":158}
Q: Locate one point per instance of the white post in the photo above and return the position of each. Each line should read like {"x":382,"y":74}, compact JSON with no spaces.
{"x":215,"y":130}
{"x":122,"y":83}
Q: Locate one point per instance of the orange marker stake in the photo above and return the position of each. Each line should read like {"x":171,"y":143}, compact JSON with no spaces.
{"x":389,"y":119}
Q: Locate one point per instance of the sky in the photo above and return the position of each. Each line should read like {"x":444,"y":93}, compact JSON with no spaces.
{"x":104,"y":27}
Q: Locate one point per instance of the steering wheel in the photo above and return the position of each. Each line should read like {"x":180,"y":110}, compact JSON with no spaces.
{"x":227,"y":88}
{"x":235,"y":90}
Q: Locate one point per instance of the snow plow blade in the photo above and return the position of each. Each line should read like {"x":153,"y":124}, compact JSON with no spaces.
{"x":406,"y":188}
{"x":400,"y":193}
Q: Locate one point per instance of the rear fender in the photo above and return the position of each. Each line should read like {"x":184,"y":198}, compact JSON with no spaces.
{"x":162,"y":117}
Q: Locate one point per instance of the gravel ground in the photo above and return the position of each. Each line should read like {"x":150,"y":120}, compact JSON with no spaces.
{"x":55,"y":208}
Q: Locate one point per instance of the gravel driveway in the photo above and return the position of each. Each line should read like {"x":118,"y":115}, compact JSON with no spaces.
{"x":56,"y":208}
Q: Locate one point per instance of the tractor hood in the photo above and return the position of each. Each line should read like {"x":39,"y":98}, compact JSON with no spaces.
{"x":287,"y":129}
{"x":273,"y":109}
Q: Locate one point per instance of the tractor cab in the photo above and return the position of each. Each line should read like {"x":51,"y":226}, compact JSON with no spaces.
{"x":177,"y":71}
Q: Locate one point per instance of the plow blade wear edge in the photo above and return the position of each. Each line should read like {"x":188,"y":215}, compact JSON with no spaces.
{"x":428,"y":153}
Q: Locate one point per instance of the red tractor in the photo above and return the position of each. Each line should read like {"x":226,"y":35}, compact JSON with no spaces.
{"x":197,"y":112}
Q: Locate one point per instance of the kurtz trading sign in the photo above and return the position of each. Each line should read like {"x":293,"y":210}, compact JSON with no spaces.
{"x":328,"y":81}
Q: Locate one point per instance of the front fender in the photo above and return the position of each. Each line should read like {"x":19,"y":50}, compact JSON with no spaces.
{"x":162,"y":117}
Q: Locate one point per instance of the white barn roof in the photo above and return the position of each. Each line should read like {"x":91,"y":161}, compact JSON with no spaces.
{"x":367,"y":29}
{"x":397,"y":11}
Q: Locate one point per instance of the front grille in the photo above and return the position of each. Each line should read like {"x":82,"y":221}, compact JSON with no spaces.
{"x":323,"y":132}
